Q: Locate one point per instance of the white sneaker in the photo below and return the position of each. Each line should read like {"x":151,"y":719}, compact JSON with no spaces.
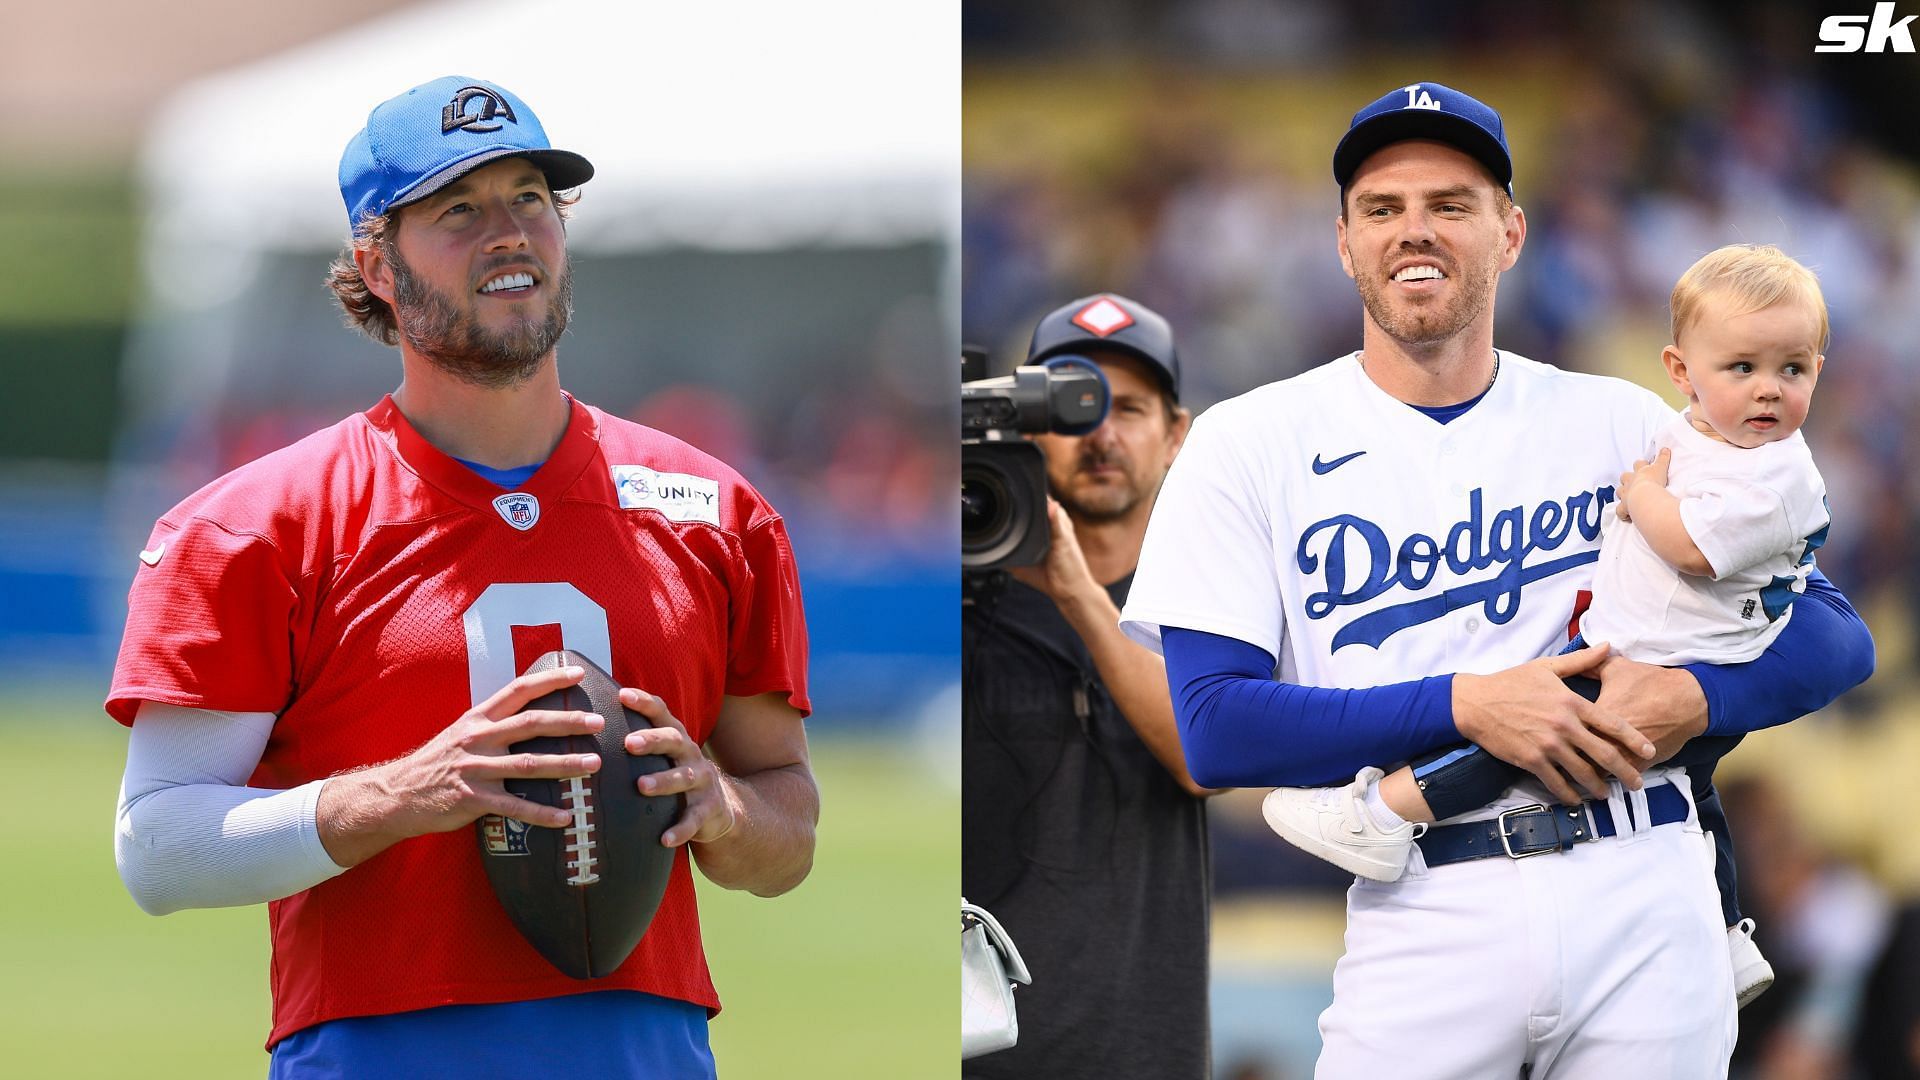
{"x":1751,"y":972}
{"x":1334,"y":824}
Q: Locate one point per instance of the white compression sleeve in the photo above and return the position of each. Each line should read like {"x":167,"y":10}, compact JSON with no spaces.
{"x":188,"y":835}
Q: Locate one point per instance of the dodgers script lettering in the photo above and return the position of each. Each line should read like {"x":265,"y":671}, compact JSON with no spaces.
{"x":1471,"y":544}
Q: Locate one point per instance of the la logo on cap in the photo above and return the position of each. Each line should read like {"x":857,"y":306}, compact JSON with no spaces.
{"x":493,"y":108}
{"x":1102,"y":317}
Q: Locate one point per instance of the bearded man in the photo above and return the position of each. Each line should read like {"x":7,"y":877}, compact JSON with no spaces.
{"x":323,"y":664}
{"x":1084,"y":834}
{"x":1388,"y":553}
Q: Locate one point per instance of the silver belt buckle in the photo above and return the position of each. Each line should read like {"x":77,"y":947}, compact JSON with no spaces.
{"x":1506,"y":836}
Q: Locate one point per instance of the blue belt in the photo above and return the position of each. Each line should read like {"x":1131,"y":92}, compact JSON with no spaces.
{"x":1539,"y":829}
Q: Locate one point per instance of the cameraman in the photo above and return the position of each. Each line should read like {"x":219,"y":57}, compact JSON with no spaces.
{"x":1083,"y":832}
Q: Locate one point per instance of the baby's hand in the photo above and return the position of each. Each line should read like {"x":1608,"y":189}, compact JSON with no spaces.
{"x":1653,"y":472}
{"x":1643,"y":472}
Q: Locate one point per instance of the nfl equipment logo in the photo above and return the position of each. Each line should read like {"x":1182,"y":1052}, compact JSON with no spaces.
{"x":519,"y":510}
{"x":504,"y":836}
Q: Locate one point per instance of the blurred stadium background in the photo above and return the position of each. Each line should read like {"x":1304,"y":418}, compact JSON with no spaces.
{"x":766,"y":266}
{"x":1179,"y":152}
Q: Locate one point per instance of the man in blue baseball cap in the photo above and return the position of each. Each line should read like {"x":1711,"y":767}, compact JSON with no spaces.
{"x":427,"y":148}
{"x":1409,"y":145}
{"x":1426,"y":111}
{"x":324,"y":650}
{"x":1367,"y":564}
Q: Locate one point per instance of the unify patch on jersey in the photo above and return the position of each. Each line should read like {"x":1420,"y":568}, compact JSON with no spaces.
{"x":680,"y":496}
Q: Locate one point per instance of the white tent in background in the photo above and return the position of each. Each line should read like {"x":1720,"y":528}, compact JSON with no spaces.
{"x":728,"y":125}
{"x":721,"y":127}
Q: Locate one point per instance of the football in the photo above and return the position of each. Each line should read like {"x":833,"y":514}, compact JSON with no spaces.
{"x":583,"y":894}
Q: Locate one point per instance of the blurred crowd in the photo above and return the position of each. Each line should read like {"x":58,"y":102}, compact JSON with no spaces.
{"x":1179,"y":153}
{"x":1627,"y":171}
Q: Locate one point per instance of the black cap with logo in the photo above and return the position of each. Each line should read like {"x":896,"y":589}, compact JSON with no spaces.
{"x":1109,"y":320}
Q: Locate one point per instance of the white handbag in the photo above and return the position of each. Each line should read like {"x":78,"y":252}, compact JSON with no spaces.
{"x":989,"y":968}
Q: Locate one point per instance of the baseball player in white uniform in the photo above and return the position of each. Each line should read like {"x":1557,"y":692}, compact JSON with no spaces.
{"x":1380,"y":557}
{"x":1730,"y":512}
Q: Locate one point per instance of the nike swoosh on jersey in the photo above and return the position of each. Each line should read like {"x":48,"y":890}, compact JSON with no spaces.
{"x":1322,"y":468}
{"x":152,"y":557}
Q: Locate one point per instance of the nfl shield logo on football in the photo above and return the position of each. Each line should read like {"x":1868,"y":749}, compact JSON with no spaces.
{"x":519,"y":510}
{"x":504,"y":836}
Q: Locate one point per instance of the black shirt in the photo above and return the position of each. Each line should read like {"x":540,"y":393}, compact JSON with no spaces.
{"x":1087,"y":851}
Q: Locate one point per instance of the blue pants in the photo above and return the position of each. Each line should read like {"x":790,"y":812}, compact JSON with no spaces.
{"x":633,"y":1035}
{"x":1455,"y":779}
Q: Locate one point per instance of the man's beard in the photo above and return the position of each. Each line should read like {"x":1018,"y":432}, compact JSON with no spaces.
{"x":1427,"y":325}
{"x":1103,"y":503}
{"x":460,"y":346}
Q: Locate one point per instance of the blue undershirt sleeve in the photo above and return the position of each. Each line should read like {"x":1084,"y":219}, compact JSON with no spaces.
{"x":1241,"y":728}
{"x":1824,"y":651}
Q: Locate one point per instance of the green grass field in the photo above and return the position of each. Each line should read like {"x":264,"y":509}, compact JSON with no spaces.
{"x":851,"y":975}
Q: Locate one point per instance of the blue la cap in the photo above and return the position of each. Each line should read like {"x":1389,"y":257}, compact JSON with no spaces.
{"x":1426,"y":111}
{"x":1115,"y":322}
{"x":430,"y":136}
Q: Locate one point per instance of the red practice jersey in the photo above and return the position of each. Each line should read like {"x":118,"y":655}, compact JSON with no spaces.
{"x":369,"y":589}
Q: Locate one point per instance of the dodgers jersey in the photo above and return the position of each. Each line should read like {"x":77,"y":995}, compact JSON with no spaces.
{"x":1363,"y":543}
{"x":1758,"y":514}
{"x":369,"y":589}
